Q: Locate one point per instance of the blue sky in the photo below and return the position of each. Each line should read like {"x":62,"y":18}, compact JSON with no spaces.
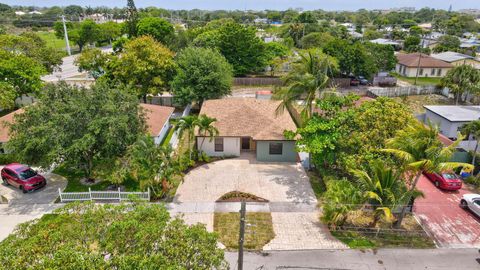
{"x":260,"y":4}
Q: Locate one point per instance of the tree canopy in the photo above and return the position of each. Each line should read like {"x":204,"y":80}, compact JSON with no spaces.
{"x":160,"y":29}
{"x":125,"y":236}
{"x":203,"y":74}
{"x":78,"y":126}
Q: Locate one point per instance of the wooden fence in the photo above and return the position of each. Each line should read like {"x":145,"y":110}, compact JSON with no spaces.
{"x":103,"y":196}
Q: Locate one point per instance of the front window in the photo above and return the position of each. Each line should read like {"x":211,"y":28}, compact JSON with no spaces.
{"x":218,"y":144}
{"x":449,"y":176}
{"x":26,"y":174}
{"x":276,"y":148}
{"x":432,"y":72}
{"x":439,"y":72}
{"x":420,"y":72}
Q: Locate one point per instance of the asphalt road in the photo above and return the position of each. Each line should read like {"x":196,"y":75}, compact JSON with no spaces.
{"x":391,"y":259}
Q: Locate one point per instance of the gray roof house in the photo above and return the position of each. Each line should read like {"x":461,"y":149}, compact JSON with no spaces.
{"x":450,"y":120}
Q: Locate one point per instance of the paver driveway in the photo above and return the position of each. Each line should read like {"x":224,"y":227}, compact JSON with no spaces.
{"x":441,"y":216}
{"x":276,"y":182}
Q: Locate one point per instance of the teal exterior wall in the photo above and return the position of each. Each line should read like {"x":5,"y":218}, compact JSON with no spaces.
{"x":289,"y":154}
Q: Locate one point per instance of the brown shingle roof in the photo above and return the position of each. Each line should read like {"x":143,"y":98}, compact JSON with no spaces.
{"x":248,"y":117}
{"x":411,"y":60}
{"x":156,"y":116}
{"x":7,"y":119}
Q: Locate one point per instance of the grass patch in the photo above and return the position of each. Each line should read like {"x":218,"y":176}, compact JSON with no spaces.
{"x":52,"y":40}
{"x":318,"y":185}
{"x":166,"y":139}
{"x":258,"y":232}
{"x":420,"y":81}
{"x":411,"y":235}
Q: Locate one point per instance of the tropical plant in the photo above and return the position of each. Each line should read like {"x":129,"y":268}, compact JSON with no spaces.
{"x":473,"y":128}
{"x":419,"y":150}
{"x":384,"y":188}
{"x":461,"y":79}
{"x":307,"y":79}
{"x":186,"y":126}
{"x":206,"y":128}
{"x":340,"y":198}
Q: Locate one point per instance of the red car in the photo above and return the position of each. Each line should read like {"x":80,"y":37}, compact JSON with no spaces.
{"x":22,"y":177}
{"x":447,"y":180}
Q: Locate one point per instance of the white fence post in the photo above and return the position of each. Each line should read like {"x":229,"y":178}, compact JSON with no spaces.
{"x":90,"y":192}
{"x":148,"y":190}
{"x":60,"y":194}
{"x":119,"y":194}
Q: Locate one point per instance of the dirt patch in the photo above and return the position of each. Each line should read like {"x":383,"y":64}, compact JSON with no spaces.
{"x":416,"y":103}
{"x":237,"y":196}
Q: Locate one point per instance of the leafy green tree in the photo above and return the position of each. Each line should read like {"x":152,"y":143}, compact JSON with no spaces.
{"x":473,"y":129}
{"x":462,"y":79}
{"x":160,"y":29}
{"x":202,"y":74}
{"x":308,"y":78}
{"x":412,"y":43}
{"x":144,"y":64}
{"x":152,"y":165}
{"x":384,"y":188}
{"x":206,"y":128}
{"x":447,"y":43}
{"x":124,"y":236}
{"x":87,"y":32}
{"x":21,"y":73}
{"x":383,"y":56}
{"x":372,"y":34}
{"x":132,"y":19}
{"x":73,"y":10}
{"x":275,"y":55}
{"x":77,"y":126}
{"x":419,"y":149}
{"x":109,"y":31}
{"x":8,"y":96}
{"x":340,"y":198}
{"x":94,"y":61}
{"x":316,"y":40}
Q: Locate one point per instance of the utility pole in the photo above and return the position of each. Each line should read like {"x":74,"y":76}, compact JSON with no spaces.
{"x":241,"y":235}
{"x":66,"y":35}
{"x":419,"y":59}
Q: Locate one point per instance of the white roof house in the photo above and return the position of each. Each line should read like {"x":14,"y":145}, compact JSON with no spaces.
{"x":451,"y":56}
{"x":384,"y":41}
{"x":20,"y":13}
{"x":456,"y":113}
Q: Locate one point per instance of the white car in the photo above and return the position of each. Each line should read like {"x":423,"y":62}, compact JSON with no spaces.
{"x":472,"y":202}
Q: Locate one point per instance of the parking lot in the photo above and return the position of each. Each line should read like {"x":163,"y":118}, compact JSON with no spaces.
{"x":440,"y":214}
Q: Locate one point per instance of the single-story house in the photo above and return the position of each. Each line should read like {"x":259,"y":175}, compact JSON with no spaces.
{"x":248,"y":125}
{"x":450,"y":119}
{"x":157,"y":120}
{"x":457,"y":59}
{"x":426,"y":66}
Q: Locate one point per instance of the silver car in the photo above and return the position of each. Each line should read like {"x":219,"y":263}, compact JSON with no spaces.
{"x":472,"y":202}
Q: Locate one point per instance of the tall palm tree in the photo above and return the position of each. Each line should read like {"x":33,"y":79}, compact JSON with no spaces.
{"x":473,"y":128}
{"x":419,"y":149}
{"x":308,"y":77}
{"x":186,"y":125}
{"x":384,"y":188}
{"x":461,"y":79}
{"x":205,"y":127}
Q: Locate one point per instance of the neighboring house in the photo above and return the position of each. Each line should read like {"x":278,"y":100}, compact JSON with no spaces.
{"x":382,"y":41}
{"x":248,"y":125}
{"x":450,"y":120}
{"x":457,"y":59}
{"x":4,"y":131}
{"x":410,"y":65}
{"x":158,"y":120}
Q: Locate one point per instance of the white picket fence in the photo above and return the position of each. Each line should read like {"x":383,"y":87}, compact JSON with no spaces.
{"x":103,"y":195}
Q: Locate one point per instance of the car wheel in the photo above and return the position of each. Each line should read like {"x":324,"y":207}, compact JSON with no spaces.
{"x":437,"y":184}
{"x":23,"y":190}
{"x":463,"y":204}
{"x":5,"y":182}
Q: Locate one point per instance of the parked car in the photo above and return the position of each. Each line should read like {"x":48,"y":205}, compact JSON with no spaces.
{"x":472,"y":202}
{"x":354,"y":81}
{"x":363,"y":80}
{"x":446,"y":180}
{"x":22,"y":177}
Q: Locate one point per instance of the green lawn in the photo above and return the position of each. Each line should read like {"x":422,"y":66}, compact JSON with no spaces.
{"x":420,"y":81}
{"x":52,"y":40}
{"x":166,"y":139}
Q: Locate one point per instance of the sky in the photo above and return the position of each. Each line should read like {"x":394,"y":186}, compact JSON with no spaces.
{"x":260,"y":4}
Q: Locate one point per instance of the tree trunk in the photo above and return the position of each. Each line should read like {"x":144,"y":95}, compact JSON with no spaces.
{"x":398,"y":224}
{"x":144,"y":97}
{"x":456,"y":98}
{"x":189,"y":147}
{"x":474,"y":155}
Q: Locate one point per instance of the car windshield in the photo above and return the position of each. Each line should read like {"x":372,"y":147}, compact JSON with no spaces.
{"x":26,"y":174}
{"x":449,"y":176}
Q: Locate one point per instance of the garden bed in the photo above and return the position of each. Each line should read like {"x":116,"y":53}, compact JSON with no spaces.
{"x":238,"y":196}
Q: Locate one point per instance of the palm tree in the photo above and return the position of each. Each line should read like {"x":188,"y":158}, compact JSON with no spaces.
{"x":187,"y":125}
{"x":473,"y":128}
{"x":205,"y":127}
{"x":462,"y":78}
{"x":419,"y":149}
{"x":384,"y":188}
{"x":308,"y":77}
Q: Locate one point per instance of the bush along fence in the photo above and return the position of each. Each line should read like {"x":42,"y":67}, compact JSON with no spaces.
{"x":405,"y":91}
{"x":103,"y":196}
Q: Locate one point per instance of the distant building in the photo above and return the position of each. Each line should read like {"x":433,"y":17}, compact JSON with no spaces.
{"x":35,"y":12}
{"x":457,"y":59}
{"x":20,"y":13}
{"x":451,"y":119}
{"x":96,"y":17}
{"x":427,"y":66}
{"x":383,"y":41}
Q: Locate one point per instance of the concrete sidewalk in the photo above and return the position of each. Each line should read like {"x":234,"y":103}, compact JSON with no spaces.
{"x":391,"y":259}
